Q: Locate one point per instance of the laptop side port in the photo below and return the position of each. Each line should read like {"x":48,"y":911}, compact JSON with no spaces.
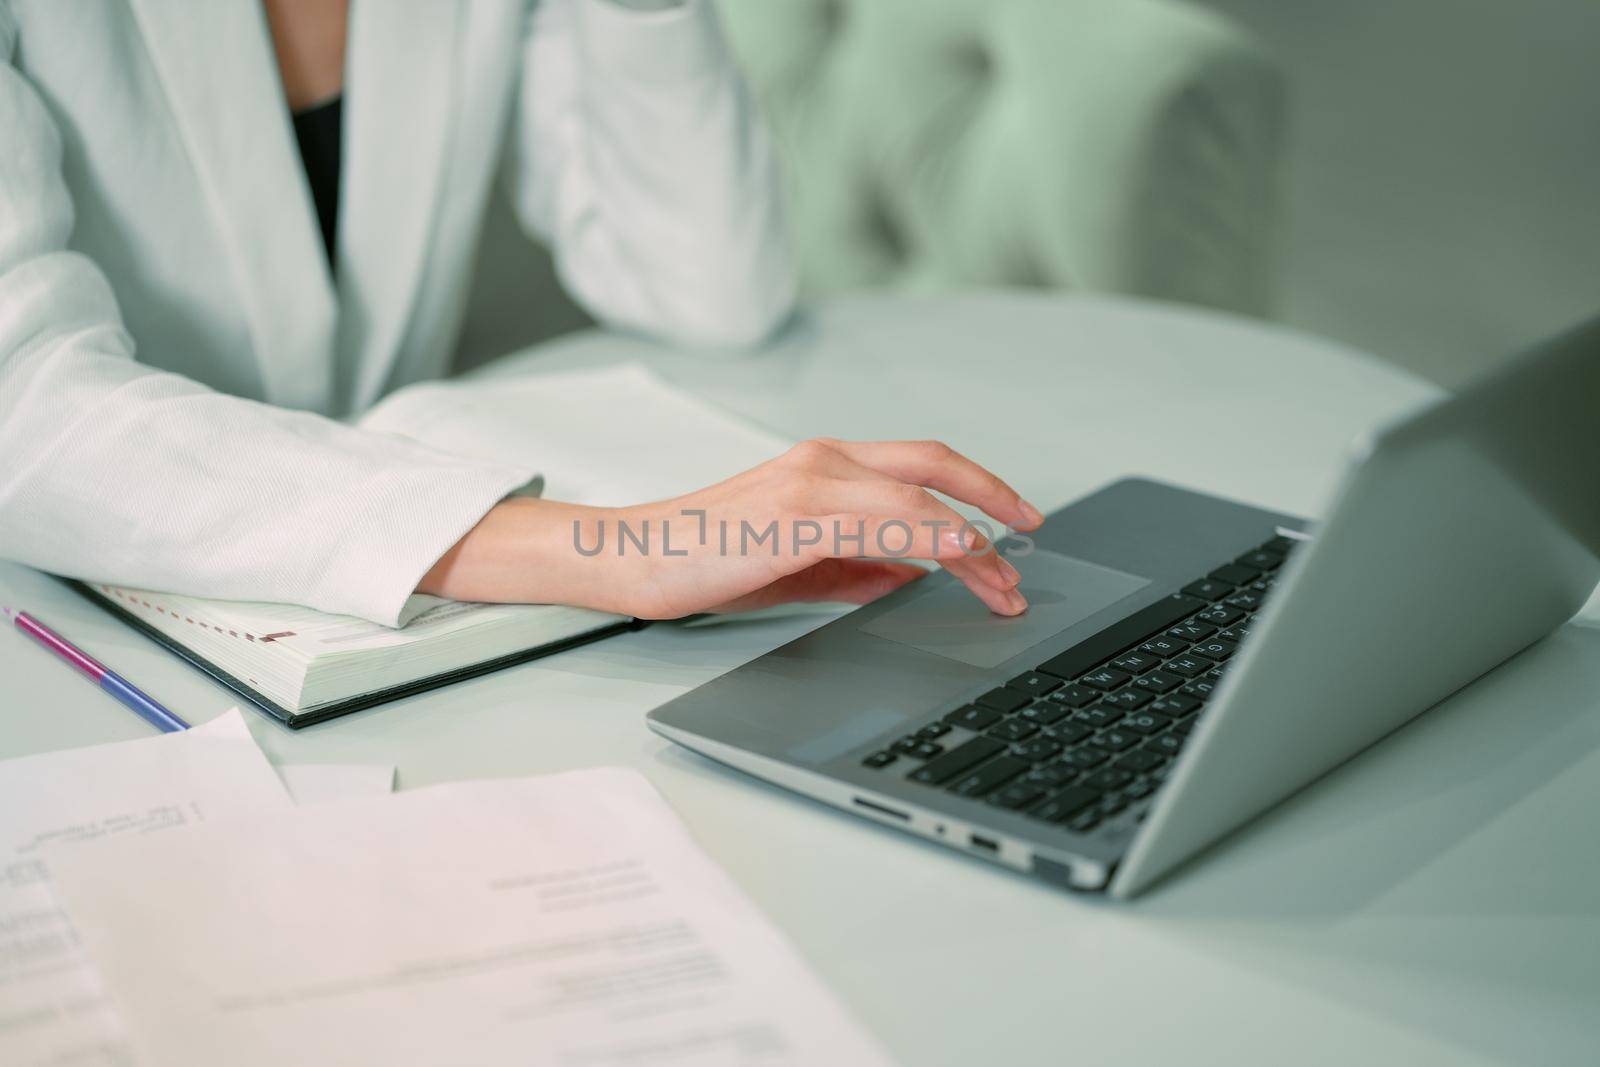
{"x":882,"y":809}
{"x":983,"y":844}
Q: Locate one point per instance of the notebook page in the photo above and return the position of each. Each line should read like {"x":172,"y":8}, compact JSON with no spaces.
{"x":608,"y":437}
{"x":264,"y":635}
{"x":290,"y":626}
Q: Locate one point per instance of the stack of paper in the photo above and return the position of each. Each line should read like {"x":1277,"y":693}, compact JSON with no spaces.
{"x":566,"y":920}
{"x":53,"y":1008}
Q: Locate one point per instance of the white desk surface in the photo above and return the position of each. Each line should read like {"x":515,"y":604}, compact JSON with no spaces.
{"x":1435,"y":901}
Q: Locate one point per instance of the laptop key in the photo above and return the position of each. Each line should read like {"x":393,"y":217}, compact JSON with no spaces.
{"x":1208,"y":589}
{"x":1233,"y":574}
{"x":958,"y":759}
{"x":1220,"y":615}
{"x":1002,"y":700}
{"x":1105,"y":678}
{"x":1200,"y":689}
{"x":1053,"y":774}
{"x":1261,"y":560}
{"x":1189,"y":666}
{"x":1246,"y":600}
{"x":1127,"y":699}
{"x":1067,"y":733}
{"x":1017,"y":795}
{"x":973,"y":717}
{"x":1119,"y":636}
{"x":1279,"y":546}
{"x":1037,"y":750}
{"x":927,"y":750}
{"x":1075,"y":696}
{"x":878,"y":759}
{"x":1086,"y":756}
{"x":1044,"y":712}
{"x":1136,"y":662}
{"x":1107,"y":779}
{"x":905,"y":745}
{"x":1097,"y":716}
{"x":1174,"y":705}
{"x":1065,"y":804}
{"x":1215,"y":649}
{"x":1012,"y":730}
{"x":933,"y":731}
{"x":1144,"y":723}
{"x":1183,"y":728}
{"x":1158,"y":682}
{"x":1168,"y":744}
{"x":1139,"y":760}
{"x":990,"y":776}
{"x":1034,"y":684}
{"x":1191,"y":630}
{"x":1165,"y":645}
{"x":1117,"y":739}
{"x":1235,"y":633}
{"x":1085,"y":821}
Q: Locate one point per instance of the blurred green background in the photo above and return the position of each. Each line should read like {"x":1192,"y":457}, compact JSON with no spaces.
{"x":1443,"y":201}
{"x":1414,"y":177}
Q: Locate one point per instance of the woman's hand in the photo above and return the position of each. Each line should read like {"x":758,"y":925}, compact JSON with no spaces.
{"x":787,"y":530}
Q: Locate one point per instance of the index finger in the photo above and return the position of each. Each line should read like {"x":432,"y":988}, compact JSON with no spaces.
{"x":935,"y":465}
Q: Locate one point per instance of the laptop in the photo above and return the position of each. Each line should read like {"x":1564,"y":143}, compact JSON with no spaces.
{"x":1186,"y":661}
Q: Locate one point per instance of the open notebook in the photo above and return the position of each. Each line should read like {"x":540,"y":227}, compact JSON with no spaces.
{"x":613,"y":436}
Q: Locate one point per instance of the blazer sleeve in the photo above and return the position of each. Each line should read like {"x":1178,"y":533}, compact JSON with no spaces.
{"x":639,"y":156}
{"x":112,"y":471}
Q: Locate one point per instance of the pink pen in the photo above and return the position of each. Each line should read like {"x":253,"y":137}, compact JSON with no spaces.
{"x":123,"y":690}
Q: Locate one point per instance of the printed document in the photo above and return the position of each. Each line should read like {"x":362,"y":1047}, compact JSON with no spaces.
{"x":321,"y":783}
{"x":52,"y":1007}
{"x":568,"y":920}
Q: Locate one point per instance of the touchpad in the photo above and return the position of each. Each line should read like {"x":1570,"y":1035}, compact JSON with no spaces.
{"x":949,"y":621}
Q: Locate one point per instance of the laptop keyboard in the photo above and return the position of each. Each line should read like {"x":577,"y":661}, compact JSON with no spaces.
{"x":1092,"y":732}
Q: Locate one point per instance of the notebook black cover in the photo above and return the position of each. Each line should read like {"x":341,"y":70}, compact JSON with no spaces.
{"x":295,"y":720}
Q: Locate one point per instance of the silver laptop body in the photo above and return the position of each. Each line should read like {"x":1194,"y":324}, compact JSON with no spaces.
{"x":1477,"y":517}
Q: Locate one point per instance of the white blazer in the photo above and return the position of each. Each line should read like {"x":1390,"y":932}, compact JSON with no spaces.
{"x":172,"y":342}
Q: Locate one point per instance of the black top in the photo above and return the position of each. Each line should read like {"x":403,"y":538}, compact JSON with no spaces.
{"x":318,"y":131}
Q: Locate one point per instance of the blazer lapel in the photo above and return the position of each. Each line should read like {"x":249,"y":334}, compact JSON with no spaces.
{"x":217,"y":68}
{"x":400,"y":90}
